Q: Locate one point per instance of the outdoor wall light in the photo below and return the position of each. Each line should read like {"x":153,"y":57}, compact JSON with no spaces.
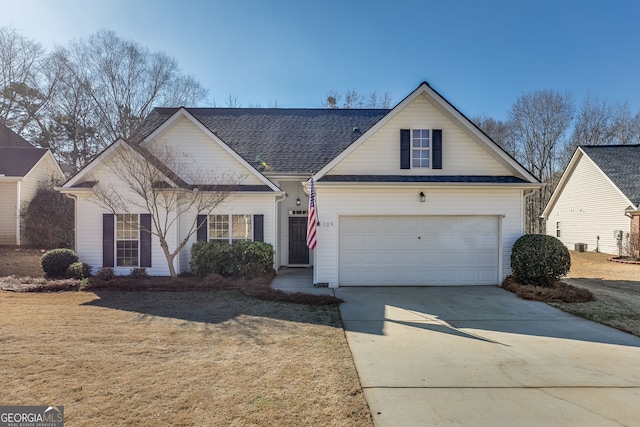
{"x":423,"y":198}
{"x":298,"y":201}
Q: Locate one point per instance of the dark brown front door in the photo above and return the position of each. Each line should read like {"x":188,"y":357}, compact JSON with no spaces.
{"x":298,"y":250}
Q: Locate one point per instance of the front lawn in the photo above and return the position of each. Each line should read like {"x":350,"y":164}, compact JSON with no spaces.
{"x":177,"y":358}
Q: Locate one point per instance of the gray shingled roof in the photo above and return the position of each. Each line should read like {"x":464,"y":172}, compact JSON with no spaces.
{"x":287,"y":140}
{"x":621,"y":163}
{"x":9,"y":138}
{"x":475,"y":179}
{"x":19,"y":161}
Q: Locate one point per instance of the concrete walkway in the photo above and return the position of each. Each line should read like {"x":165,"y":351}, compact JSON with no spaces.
{"x":479,"y":356}
{"x":298,"y":279}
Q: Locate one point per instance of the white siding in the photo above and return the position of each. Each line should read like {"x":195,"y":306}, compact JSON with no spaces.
{"x":589,"y":206}
{"x":334,"y":203}
{"x":249,"y":204}
{"x":380,"y":154}
{"x":206,"y":159}
{"x":42,"y":173}
{"x":8,"y":212}
{"x":89,"y":231}
{"x":89,"y":240}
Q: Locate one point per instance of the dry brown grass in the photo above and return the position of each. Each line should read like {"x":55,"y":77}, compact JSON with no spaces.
{"x":615,"y":286}
{"x":177,"y":358}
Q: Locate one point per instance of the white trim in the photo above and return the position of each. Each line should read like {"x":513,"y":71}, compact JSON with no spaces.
{"x":95,"y":162}
{"x":182,"y":112}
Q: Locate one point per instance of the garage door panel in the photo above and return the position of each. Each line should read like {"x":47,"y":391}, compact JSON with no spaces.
{"x":418,"y":250}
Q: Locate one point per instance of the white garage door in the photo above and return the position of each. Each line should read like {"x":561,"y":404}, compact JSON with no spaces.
{"x":418,"y":250}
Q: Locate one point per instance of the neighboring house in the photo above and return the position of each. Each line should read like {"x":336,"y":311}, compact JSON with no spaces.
{"x":23,"y":168}
{"x":415,"y":195}
{"x":598,"y":193}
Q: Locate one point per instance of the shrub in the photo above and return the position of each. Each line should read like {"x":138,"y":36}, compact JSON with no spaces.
{"x":78,"y":270}
{"x":241,"y":259}
{"x":106,"y":274}
{"x":138,"y":273}
{"x":252,"y":258}
{"x":539,"y":260}
{"x":56,"y":261}
{"x":48,"y":219}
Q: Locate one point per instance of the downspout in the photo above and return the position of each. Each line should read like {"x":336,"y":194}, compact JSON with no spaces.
{"x":525,"y":194}
{"x":276,"y":228}
{"x":18,"y":213}
{"x":75,"y":220}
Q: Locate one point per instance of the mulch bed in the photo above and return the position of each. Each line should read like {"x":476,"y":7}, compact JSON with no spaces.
{"x":625,"y":260}
{"x":258,"y":288}
{"x":558,"y":292}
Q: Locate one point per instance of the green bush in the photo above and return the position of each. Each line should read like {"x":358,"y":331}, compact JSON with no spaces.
{"x":138,"y":273}
{"x":106,"y":274}
{"x":56,"y":261}
{"x":48,"y":220}
{"x":241,"y":259}
{"x":539,"y":260}
{"x":78,"y":270}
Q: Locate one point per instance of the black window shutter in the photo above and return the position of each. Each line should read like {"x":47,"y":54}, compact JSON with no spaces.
{"x":145,"y":240}
{"x":437,"y":148}
{"x":405,"y":149}
{"x":258,"y":228}
{"x":201,"y":234}
{"x":107,"y":240}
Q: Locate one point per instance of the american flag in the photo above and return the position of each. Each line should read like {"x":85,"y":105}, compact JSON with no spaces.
{"x":312,"y":221}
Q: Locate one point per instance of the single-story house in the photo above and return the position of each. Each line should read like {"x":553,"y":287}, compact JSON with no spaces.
{"x":23,"y":168}
{"x":413,"y":195}
{"x":597,"y":201}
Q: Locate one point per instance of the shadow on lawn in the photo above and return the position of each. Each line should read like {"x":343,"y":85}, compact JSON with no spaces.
{"x":211,"y":306}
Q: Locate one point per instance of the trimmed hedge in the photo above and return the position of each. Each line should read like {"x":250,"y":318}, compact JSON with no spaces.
{"x":239,"y":259}
{"x":78,"y":270}
{"x":539,"y":260}
{"x":56,"y":261}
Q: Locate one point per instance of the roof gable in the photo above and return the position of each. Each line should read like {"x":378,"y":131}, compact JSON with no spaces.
{"x":618,"y":164}
{"x":207,"y":152}
{"x":288,"y":141}
{"x":426,"y":107}
{"x":621,"y":164}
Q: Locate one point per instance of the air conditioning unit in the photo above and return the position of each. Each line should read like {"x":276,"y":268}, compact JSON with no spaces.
{"x":581,"y":247}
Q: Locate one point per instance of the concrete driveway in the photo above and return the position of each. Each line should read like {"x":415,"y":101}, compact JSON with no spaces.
{"x":479,"y":356}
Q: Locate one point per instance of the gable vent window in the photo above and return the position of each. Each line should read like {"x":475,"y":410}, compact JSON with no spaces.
{"x":420,"y":148}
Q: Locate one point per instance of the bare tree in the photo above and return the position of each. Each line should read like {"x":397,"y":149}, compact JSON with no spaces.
{"x":540,"y":121}
{"x":625,"y":127}
{"x":232,"y":101}
{"x":165,"y":185}
{"x":27,"y":83}
{"x":125,"y":81}
{"x":498,"y":131}
{"x":354,"y":99}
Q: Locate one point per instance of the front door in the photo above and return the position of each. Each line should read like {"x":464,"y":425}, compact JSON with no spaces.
{"x":298,"y":250}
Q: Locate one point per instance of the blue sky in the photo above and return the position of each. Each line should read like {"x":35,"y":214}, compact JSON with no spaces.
{"x":481,"y":55}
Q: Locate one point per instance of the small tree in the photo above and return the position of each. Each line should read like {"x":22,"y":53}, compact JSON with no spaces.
{"x":48,"y":219}
{"x":166,"y":185}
